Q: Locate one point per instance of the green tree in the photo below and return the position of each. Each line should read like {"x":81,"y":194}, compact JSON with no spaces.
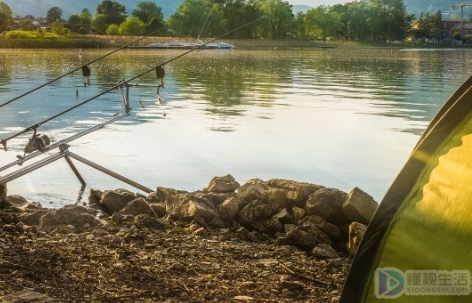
{"x":237,"y":13}
{"x":434,"y":26}
{"x":323,"y":22}
{"x":360,"y":24}
{"x":279,"y":19}
{"x":132,"y":26}
{"x":58,"y":28}
{"x":113,"y":30}
{"x":108,"y":12}
{"x":342,"y":10}
{"x":85,"y":21}
{"x":190,"y":18}
{"x":54,"y":14}
{"x":26,"y":25}
{"x":6,"y":17}
{"x":390,"y":20}
{"x":299,"y":29}
{"x":151,"y":14}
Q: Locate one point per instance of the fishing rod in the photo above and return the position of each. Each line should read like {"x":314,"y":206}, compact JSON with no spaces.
{"x":159,"y":73}
{"x":85,"y":69}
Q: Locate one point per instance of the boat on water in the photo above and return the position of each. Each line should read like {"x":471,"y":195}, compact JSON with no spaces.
{"x":173,"y":44}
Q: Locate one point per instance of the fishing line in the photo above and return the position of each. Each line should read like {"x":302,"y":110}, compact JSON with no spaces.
{"x":157,"y":68}
{"x":85,"y":69}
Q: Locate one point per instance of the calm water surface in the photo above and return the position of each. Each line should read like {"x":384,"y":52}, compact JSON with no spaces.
{"x":335,"y":117}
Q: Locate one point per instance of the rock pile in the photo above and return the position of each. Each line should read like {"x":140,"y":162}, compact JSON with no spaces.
{"x":294,"y":236}
{"x":312,"y":217}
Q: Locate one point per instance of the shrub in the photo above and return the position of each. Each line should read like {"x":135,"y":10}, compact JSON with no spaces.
{"x":30,"y":35}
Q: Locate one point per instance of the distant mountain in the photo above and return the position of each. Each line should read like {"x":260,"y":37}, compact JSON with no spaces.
{"x":39,"y":8}
{"x":300,"y":8}
{"x":432,"y":6}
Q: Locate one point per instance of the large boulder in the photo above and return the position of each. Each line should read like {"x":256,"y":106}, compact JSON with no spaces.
{"x":14,"y":201}
{"x":326,"y":203}
{"x":223,"y":184}
{"x":76,"y":216}
{"x":277,"y":197}
{"x":359,"y":206}
{"x":296,"y":192}
{"x":115,"y":200}
{"x":161,"y":194}
{"x":250,"y":192}
{"x":138,"y":206}
{"x":188,"y":206}
{"x":329,"y":229}
{"x":256,"y":210}
{"x":229,"y":209}
{"x":33,"y":218}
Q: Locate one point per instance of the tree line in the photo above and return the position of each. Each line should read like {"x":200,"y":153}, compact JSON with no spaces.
{"x":372,"y":20}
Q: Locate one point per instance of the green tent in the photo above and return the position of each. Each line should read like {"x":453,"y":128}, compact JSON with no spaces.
{"x":418,"y":246}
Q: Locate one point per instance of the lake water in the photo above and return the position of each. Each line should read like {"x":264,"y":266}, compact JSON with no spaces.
{"x":340,"y":117}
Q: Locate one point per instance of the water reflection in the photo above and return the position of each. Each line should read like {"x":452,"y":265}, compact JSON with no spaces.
{"x":338,"y":117}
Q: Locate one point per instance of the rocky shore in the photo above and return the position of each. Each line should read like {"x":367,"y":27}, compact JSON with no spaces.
{"x":263,"y":241}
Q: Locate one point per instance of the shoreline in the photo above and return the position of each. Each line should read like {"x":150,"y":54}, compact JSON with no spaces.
{"x":97,"y":41}
{"x":266,"y":241}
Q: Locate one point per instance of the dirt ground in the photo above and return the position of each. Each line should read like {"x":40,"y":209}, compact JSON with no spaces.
{"x":176,"y":262}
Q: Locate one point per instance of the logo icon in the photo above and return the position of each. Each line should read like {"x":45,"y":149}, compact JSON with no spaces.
{"x":389,"y":283}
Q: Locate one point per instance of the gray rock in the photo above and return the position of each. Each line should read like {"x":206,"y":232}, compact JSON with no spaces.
{"x":161,"y":194}
{"x":325,"y":202}
{"x":229,"y":209}
{"x":223,"y":184}
{"x":250,"y":192}
{"x":159,"y":208}
{"x":268,"y":226}
{"x":33,"y":218}
{"x":95,"y":196}
{"x":16,"y":201}
{"x":356,"y":233}
{"x":298,"y":213}
{"x":325,"y":251}
{"x":277,"y":197}
{"x":188,"y":206}
{"x":302,"y":238}
{"x":76,"y":216}
{"x":116,"y":200}
{"x":297,"y":192}
{"x":359,"y":206}
{"x":330,"y":229}
{"x":255,"y":211}
{"x":203,"y":209}
{"x":283,"y":216}
{"x":216,"y":198}
{"x":138,"y":206}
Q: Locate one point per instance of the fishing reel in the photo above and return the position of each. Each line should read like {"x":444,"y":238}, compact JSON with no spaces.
{"x":36,"y":142}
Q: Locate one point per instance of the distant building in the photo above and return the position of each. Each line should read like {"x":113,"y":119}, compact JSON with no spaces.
{"x":454,"y":26}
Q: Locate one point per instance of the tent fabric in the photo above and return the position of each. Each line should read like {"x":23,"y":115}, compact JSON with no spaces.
{"x":424,"y":221}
